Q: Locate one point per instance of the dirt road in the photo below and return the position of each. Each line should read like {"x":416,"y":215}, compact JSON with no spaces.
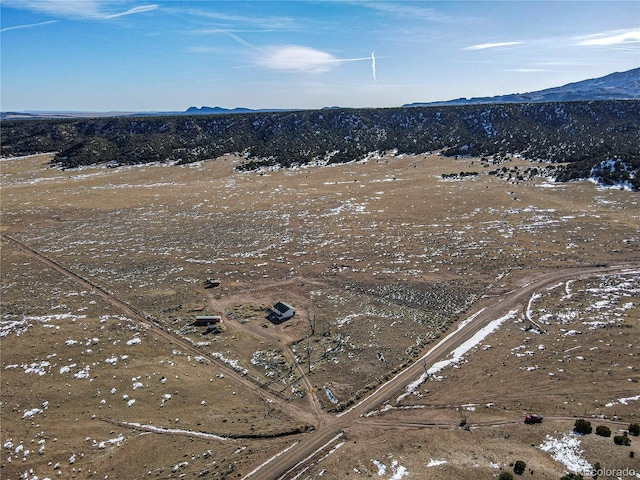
{"x":187,"y":347}
{"x":290,"y":463}
{"x":329,"y":428}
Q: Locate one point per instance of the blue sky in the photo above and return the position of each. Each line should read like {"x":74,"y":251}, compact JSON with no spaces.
{"x":122,"y":55}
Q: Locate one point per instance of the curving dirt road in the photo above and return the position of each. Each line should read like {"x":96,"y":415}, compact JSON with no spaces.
{"x":133,"y":314}
{"x":290,"y":463}
{"x":329,"y":428}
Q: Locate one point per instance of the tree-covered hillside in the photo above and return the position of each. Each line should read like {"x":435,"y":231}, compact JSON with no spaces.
{"x":594,"y":138}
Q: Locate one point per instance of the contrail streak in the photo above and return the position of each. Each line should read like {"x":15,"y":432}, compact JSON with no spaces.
{"x":240,"y":40}
{"x":31,"y":25}
{"x":373,"y":66}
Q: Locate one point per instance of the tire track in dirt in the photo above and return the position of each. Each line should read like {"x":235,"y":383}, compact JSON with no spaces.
{"x":293,"y":461}
{"x":134,"y":314}
{"x":314,"y":402}
{"x":404,"y":424}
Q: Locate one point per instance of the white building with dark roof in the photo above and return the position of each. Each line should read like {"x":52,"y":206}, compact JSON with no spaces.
{"x":283,"y":311}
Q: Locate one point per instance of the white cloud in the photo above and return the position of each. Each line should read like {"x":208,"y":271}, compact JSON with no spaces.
{"x":484,"y":46}
{"x":530,"y":70}
{"x":204,"y":50}
{"x":414,"y":11}
{"x":75,"y":9}
{"x":300,"y":58}
{"x":611,"y":38}
{"x":225,"y":19}
{"x":295,"y":57}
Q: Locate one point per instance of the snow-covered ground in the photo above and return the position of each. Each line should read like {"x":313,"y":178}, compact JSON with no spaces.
{"x":397,"y":471}
{"x":567,"y":451}
{"x":457,"y":354}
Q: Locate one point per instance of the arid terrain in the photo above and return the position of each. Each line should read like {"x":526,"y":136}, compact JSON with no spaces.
{"x":433,"y":313}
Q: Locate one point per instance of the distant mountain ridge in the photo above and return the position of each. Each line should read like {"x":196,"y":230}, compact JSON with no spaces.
{"x":615,"y":86}
{"x":204,"y":110}
{"x":591,"y":137}
{"x":220,"y":110}
{"x":594,"y":139}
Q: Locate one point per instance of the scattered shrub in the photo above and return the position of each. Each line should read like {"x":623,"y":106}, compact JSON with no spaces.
{"x":572,"y":476}
{"x":603,"y":431}
{"x":634,"y":429}
{"x":582,"y":426}
{"x":519,"y":467}
{"x":622,"y":440}
{"x":505,"y":476}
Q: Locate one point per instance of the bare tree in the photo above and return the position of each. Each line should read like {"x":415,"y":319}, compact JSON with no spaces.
{"x":309,"y":350}
{"x":311,"y":314}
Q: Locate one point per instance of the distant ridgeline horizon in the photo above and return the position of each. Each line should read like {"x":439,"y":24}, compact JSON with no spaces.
{"x":595,"y":139}
{"x":615,"y":86}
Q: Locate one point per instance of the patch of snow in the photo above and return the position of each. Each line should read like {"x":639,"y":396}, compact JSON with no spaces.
{"x":623,"y":401}
{"x":398,"y":471}
{"x":192,"y":433}
{"x":39,"y":368}
{"x":571,"y":333}
{"x":566,"y":451}
{"x":382,"y":468}
{"x":270,"y":460}
{"x":456,"y":355}
{"x":31,"y":413}
{"x":84,"y":373}
{"x":114,"y":441}
{"x":18,"y":327}
{"x":232,"y":363}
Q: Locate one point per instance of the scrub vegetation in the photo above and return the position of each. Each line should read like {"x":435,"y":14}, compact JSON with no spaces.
{"x":104,"y":271}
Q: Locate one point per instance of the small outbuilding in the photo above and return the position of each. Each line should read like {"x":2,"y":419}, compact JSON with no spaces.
{"x":212,"y":283}
{"x":206,"y":320}
{"x":282,"y":311}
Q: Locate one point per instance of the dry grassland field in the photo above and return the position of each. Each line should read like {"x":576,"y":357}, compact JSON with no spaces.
{"x":433,"y":314}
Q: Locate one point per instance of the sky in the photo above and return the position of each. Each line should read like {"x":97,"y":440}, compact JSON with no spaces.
{"x":159,"y":55}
